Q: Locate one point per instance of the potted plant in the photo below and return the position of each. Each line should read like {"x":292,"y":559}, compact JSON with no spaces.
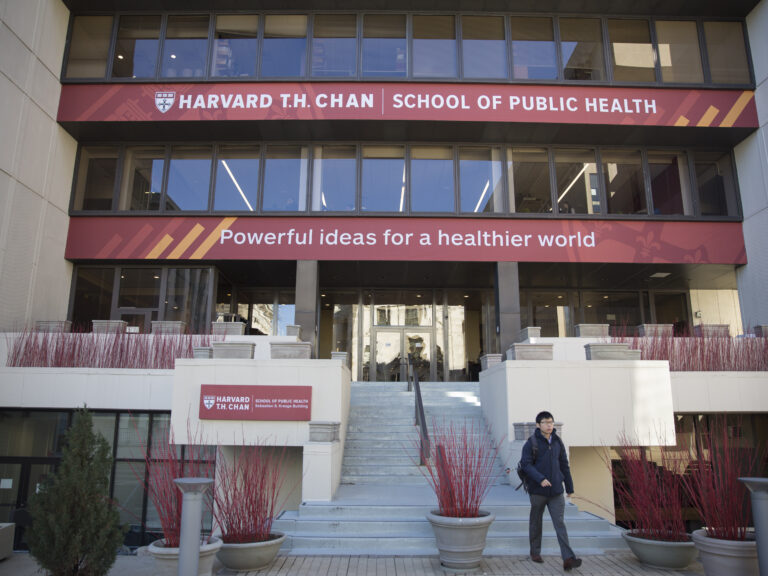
{"x":726,"y":544}
{"x":247,"y":497}
{"x":459,"y":467}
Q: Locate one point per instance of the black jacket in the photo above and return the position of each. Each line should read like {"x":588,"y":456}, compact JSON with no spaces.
{"x":551,"y":463}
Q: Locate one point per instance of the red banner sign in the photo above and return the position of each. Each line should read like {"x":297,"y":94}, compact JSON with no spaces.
{"x":194,"y":238}
{"x":224,"y":402}
{"x":407,"y":101}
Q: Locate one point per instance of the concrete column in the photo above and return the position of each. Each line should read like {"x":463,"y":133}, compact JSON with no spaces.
{"x":306,"y":301}
{"x":507,"y":303}
{"x":192,"y":490}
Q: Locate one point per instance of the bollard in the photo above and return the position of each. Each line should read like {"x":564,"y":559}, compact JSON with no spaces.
{"x":193,"y":490}
{"x":758,"y":488}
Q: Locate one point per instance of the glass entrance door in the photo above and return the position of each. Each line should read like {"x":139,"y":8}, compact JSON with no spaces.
{"x":18,"y":481}
{"x":391,"y":350}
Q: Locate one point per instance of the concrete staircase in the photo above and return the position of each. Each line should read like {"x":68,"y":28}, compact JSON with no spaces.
{"x":380,"y":507}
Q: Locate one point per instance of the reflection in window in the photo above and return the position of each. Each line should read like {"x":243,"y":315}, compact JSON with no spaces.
{"x":620,"y":310}
{"x":384,"y":45}
{"x":142,"y":178}
{"x":528,"y":175}
{"x":383,"y":179}
{"x":726,"y":51}
{"x":533,"y":49}
{"x":284,"y":51}
{"x":577,"y":187}
{"x":432,"y":188}
{"x":93,"y":296}
{"x":434,"y":47}
{"x":285,"y":179}
{"x":132,"y":435}
{"x":624,"y":184}
{"x":631,"y":51}
{"x":185,"y":47}
{"x":334,"y":45}
{"x":286,"y":311}
{"x":186,"y":297}
{"x":406,"y":308}
{"x":89,"y":47}
{"x":670,"y":186}
{"x":480,"y":180}
{"x":237,"y":178}
{"x":96,"y":175}
{"x":582,"y":45}
{"x":679,"y":53}
{"x":136,"y":49}
{"x":189,"y":178}
{"x":483,"y":47}
{"x":334,"y":170}
{"x":235,"y":45}
{"x":551,"y":311}
{"x":715,"y":182}
{"x":139,"y":288}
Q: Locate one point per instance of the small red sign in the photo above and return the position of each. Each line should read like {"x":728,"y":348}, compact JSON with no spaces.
{"x":233,"y":402}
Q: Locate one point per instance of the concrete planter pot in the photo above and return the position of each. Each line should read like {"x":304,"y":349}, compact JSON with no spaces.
{"x":461,"y":541}
{"x":233,"y":349}
{"x":202,"y":352}
{"x":660,"y":553}
{"x":167,"y":559}
{"x":227,"y":328}
{"x":109,"y":326}
{"x":726,"y":557}
{"x":169,"y":327}
{"x":250,"y":556}
{"x":53,"y":326}
{"x":290,"y":350}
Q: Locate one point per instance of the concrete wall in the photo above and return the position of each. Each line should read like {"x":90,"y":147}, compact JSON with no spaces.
{"x":36,"y":164}
{"x":720,"y":391}
{"x":718,"y":307}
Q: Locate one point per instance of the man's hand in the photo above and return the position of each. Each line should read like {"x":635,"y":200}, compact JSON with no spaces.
{"x":545,"y":483}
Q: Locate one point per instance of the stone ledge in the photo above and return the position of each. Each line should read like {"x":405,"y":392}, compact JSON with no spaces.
{"x":528,"y":351}
{"x":320,"y":431}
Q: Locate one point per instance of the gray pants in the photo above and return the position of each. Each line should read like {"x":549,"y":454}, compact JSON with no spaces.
{"x":556,"y":507}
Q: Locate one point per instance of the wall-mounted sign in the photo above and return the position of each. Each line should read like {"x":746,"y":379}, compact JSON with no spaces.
{"x":407,"y":101}
{"x":233,"y":402}
{"x":404,"y":239}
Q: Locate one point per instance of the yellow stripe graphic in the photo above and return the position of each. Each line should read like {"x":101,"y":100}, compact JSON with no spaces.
{"x":682,"y":121}
{"x":159,"y":247}
{"x":186,"y":241}
{"x":737,"y":109}
{"x":709,"y":115}
{"x":213,"y":237}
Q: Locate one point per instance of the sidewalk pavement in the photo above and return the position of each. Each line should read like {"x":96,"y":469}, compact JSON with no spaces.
{"x":621,"y":564}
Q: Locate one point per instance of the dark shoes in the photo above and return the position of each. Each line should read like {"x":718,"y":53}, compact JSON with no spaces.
{"x":536,"y":558}
{"x":571,"y":563}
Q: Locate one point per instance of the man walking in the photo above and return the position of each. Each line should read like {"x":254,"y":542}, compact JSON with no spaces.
{"x":546,"y":467}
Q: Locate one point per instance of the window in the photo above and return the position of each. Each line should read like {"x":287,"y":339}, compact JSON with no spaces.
{"x":139,"y":288}
{"x":480,"y":180}
{"x":483,"y":47}
{"x":533,"y":49}
{"x":96,"y":178}
{"x":528,"y":174}
{"x":432,"y":188}
{"x":185,"y":47}
{"x":89,"y":47}
{"x":577,"y":187}
{"x":620,"y":310}
{"x":142,"y":178}
{"x":286,"y":310}
{"x":284,"y":53}
{"x":624,"y":184}
{"x":631,"y":51}
{"x":189,"y":178}
{"x":235,"y":46}
{"x":434,"y":47}
{"x":670,"y":185}
{"x":93,"y":296}
{"x":186,"y":297}
{"x":334,"y":47}
{"x":383,"y":179}
{"x":136,"y":49}
{"x":237,"y":178}
{"x":334,"y":181}
{"x":727,"y":53}
{"x":285,"y":179}
{"x":582,"y":45}
{"x":384,"y":45}
{"x":715,"y":183}
{"x":679,"y":53}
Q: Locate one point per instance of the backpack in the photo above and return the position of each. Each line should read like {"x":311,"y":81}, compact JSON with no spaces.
{"x":534,"y":451}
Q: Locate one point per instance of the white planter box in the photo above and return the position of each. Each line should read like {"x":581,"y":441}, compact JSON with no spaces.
{"x":168,"y":327}
{"x":53,"y":326}
{"x":526,"y":351}
{"x":109,"y":326}
{"x":646,"y":330}
{"x":233,"y":349}
{"x":290,"y":350}
{"x":228,"y":328}
{"x":592,"y":330}
{"x":610,"y":352}
{"x":489,"y":360}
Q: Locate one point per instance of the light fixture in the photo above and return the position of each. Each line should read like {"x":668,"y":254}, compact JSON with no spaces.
{"x":322,"y":295}
{"x":660,"y":274}
{"x":605,"y":297}
{"x":173,"y":56}
{"x":466,"y":295}
{"x":120,"y":56}
{"x":589,"y":305}
{"x":560,"y":297}
{"x":156,"y":277}
{"x":418,"y":295}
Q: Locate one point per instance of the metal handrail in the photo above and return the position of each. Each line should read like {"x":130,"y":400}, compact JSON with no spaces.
{"x":420,"y":419}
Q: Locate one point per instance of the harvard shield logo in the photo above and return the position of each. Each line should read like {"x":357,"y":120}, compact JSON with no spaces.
{"x":164,"y":101}
{"x":209,"y":401}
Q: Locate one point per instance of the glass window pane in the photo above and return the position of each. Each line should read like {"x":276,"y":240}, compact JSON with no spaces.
{"x":577,"y":186}
{"x":581,"y":40}
{"x":679,"y":53}
{"x":89,"y":47}
{"x":334,"y":170}
{"x":624,"y":184}
{"x":432,"y":185}
{"x":334,"y":47}
{"x":286,"y":311}
{"x":483,"y":47}
{"x":434,"y":47}
{"x":189,"y":178}
{"x":620,"y":310}
{"x":93,"y":296}
{"x":716,"y":184}
{"x":136,"y":49}
{"x":384,"y":45}
{"x":237,"y":178}
{"x":383,"y":179}
{"x":185,"y":47}
{"x":129,"y":493}
{"x":480,"y":182}
{"x":669,"y":182}
{"x":631,"y":51}
{"x":285,"y":179}
{"x":284,"y":51}
{"x":132,"y":435}
{"x":235,"y":45}
{"x":96,"y":176}
{"x":104,"y":424}
{"x":727,"y":52}
{"x":32,"y":433}
{"x":528,"y":175}
{"x":403,"y":308}
{"x":186,"y":297}
{"x":552,"y":312}
{"x":139,"y":288}
{"x":142,"y":178}
{"x":533,"y":49}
